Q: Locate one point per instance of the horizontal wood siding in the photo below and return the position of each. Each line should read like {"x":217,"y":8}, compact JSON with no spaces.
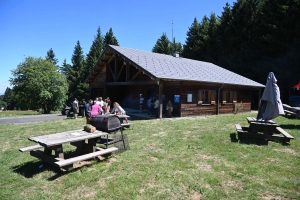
{"x":244,"y":95}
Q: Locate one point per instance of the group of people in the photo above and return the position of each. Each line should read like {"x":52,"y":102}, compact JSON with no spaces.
{"x":98,"y":107}
{"x":153,"y":105}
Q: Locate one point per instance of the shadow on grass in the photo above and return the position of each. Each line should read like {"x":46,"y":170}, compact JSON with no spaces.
{"x":290,"y":126}
{"x":256,"y":141}
{"x":32,"y":168}
{"x":233,"y":138}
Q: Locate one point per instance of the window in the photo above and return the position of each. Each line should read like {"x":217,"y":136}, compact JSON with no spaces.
{"x":229,"y":97}
{"x":206,"y":97}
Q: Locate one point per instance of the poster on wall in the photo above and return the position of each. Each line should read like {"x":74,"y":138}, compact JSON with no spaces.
{"x":189,"y":97}
{"x":176,"y":98}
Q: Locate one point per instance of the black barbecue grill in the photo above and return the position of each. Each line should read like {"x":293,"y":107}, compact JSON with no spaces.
{"x":110,"y":124}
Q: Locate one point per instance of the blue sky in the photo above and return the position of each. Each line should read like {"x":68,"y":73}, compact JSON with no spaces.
{"x":31,"y":28}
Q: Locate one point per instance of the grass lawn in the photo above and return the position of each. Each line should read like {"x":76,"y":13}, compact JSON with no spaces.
{"x":18,"y":113}
{"x":187,"y":158}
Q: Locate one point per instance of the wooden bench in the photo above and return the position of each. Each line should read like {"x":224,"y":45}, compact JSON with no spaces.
{"x":70,"y":161}
{"x":126,"y":125}
{"x":283,"y":132}
{"x":288,"y":112}
{"x":238,"y":128}
{"x":31,"y":148}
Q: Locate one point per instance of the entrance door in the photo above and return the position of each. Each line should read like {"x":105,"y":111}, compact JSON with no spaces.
{"x":255,"y":100}
{"x":97,"y":92}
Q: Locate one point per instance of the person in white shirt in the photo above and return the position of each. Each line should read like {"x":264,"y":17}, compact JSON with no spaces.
{"x":118,"y":110}
{"x":75,"y":108}
{"x":101,"y":102}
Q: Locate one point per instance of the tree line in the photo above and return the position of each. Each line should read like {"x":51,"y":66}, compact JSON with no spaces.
{"x":251,"y":38}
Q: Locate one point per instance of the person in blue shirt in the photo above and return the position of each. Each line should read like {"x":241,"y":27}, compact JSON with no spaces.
{"x":88,"y":110}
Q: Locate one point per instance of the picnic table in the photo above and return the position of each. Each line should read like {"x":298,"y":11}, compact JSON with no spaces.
{"x":55,"y":142}
{"x":270,"y":131}
{"x":294,"y":111}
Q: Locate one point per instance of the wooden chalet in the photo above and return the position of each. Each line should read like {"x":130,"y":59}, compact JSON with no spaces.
{"x":194,"y":87}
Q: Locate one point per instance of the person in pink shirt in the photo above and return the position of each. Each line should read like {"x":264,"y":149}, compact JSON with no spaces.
{"x":96,"y":110}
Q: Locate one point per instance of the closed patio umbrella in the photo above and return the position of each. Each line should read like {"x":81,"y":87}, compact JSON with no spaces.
{"x":270,"y":106}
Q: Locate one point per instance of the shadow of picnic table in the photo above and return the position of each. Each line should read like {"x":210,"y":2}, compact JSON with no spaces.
{"x":233,"y":138}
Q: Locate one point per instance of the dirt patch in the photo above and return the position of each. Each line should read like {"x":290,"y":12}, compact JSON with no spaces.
{"x":82,"y":163}
{"x":159,"y":134}
{"x":288,"y":151}
{"x":110,"y":162}
{"x":84,"y":192}
{"x":204,"y":167}
{"x":267,"y":196}
{"x":196,"y":196}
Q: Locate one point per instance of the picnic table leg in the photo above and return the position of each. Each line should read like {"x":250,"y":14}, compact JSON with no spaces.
{"x":59,"y":151}
{"x":92,"y":145}
{"x":123,"y":138}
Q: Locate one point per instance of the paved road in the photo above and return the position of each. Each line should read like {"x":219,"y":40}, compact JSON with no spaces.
{"x":31,"y":119}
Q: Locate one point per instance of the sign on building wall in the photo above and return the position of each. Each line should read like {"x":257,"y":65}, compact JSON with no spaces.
{"x":176,"y":98}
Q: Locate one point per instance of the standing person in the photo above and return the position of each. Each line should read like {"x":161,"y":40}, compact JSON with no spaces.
{"x":141,"y":102}
{"x":156,"y":105}
{"x":82,"y":107}
{"x":101,"y":102}
{"x":118,"y":110}
{"x":96,"y":110}
{"x":88,"y":109}
{"x":104,"y":107}
{"x":108,"y":105}
{"x":152,"y":105}
{"x":75,"y":108}
{"x":169,"y":109}
{"x":149,"y":105}
{"x":96,"y":101}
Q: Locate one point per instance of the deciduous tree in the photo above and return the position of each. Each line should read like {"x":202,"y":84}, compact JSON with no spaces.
{"x":37,"y":84}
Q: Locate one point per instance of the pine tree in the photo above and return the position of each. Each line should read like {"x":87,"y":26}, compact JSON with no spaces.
{"x":9,"y":99}
{"x":110,"y":39}
{"x":175,"y":47}
{"x":51,"y":57}
{"x":162,"y":45}
{"x":65,"y":68}
{"x":76,"y":73}
{"x":212,"y":44}
{"x":94,"y":53}
{"x":192,"y":44}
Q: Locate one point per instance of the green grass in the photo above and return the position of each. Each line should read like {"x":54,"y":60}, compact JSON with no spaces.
{"x":187,"y":158}
{"x":18,"y":113}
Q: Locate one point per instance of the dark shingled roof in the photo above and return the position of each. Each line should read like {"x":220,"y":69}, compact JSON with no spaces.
{"x":162,"y":66}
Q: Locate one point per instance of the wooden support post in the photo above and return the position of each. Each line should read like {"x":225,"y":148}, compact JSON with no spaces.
{"x":127,"y":71}
{"x":115,"y":75}
{"x":120,"y":71}
{"x":112,"y":74}
{"x":161,"y":87}
{"x":135,"y":76}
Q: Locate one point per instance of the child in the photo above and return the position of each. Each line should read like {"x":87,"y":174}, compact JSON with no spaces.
{"x":118,"y":110}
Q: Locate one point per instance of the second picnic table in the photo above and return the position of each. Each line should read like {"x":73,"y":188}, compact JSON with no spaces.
{"x":268,"y":128}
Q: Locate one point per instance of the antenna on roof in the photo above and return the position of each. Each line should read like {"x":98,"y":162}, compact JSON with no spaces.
{"x":172,"y":28}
